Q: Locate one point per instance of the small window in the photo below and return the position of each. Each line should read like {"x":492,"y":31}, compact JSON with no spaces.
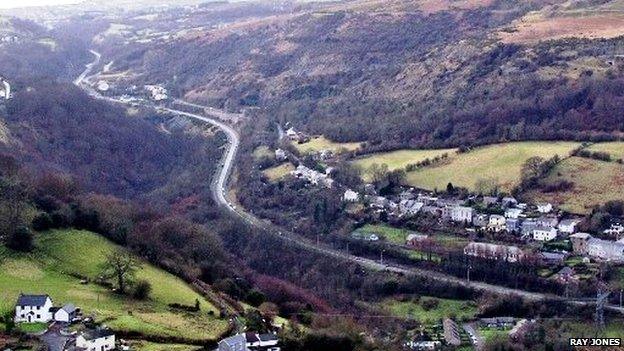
{"x":38,"y":316}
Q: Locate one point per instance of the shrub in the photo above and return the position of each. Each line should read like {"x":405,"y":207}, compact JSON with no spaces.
{"x":42,"y":222}
{"x":142,"y":289}
{"x":20,"y":240}
{"x":429,"y":304}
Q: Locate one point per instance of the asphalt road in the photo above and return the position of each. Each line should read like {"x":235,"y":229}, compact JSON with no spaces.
{"x":219,"y":188}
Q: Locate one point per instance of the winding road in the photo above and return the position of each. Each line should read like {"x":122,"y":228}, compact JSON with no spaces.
{"x":219,"y":188}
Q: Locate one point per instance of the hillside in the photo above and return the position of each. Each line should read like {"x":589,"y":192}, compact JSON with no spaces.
{"x":61,"y":256}
{"x":407,"y":74}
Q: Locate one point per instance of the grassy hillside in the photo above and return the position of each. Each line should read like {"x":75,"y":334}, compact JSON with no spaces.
{"x":321,"y":143}
{"x":400,"y":158}
{"x":59,"y":255}
{"x":500,"y":163}
{"x":595,"y":182}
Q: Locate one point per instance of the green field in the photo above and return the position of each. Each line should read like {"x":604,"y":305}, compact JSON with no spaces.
{"x":399,"y":159}
{"x":321,"y":143}
{"x":491,"y":334}
{"x":595,"y":182}
{"x":499,"y":164}
{"x":263,"y":151}
{"x":150,"y":346}
{"x":393,"y":235}
{"x":615,"y":149}
{"x":457,"y":309}
{"x":61,"y":255}
{"x":278,"y":172}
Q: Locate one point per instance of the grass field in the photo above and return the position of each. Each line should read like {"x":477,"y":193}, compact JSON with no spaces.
{"x":492,"y":334}
{"x":500,"y":164}
{"x":150,"y":346}
{"x":59,"y":255}
{"x":399,"y":159}
{"x":460,"y":310}
{"x":393,"y":235}
{"x":595,"y":182}
{"x":321,"y":143}
{"x":262,"y":151}
{"x":615,"y":149}
{"x":278,"y":172}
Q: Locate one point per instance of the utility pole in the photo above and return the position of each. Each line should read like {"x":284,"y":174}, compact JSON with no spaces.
{"x":468,"y":273}
{"x":621,"y":297}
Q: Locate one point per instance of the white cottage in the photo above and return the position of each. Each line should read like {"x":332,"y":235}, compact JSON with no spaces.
{"x":66,"y":313}
{"x":96,"y":340}
{"x":33,"y":308}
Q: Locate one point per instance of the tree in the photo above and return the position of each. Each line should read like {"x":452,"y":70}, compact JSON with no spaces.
{"x":20,"y":240}
{"x":121,"y":266}
{"x":450,"y":188}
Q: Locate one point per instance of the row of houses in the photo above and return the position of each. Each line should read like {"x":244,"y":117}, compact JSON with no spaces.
{"x":606,"y":250}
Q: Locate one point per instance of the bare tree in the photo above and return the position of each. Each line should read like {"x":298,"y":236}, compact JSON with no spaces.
{"x":120,"y":265}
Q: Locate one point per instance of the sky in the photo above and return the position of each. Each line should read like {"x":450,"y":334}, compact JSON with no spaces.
{"x":7,"y":4}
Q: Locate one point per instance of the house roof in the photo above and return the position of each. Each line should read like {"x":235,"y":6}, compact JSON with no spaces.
{"x":32,"y":300}
{"x":251,"y":337}
{"x":97,"y":333}
{"x":69,"y":308}
{"x":268,"y":337}
{"x":580,"y":236}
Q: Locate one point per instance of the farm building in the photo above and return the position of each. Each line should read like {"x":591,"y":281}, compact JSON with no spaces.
{"x":33,"y":308}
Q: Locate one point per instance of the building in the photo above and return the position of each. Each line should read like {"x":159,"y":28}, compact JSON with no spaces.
{"x":568,"y":226}
{"x":541,"y":233}
{"x":528,"y":226}
{"x":364,"y":236}
{"x":424,"y":345}
{"x":415,"y":239}
{"x":280,"y":155}
{"x":520,"y":329}
{"x":5,"y":89}
{"x":461,"y":214}
{"x":96,"y":340}
{"x":33,"y":308}
{"x":496,"y":223}
{"x":350,"y":196}
{"x":65,"y":314}
{"x":480,"y":220}
{"x":512,"y":224}
{"x":553,"y":258}
{"x":616,"y":229}
{"x":410,"y":207}
{"x":493,"y":251}
{"x":544,"y":208}
{"x":547,"y":221}
{"x":451,"y":332}
{"x":250,"y":342}
{"x":509,"y":201}
{"x":605,"y":250}
{"x":157,"y":92}
{"x":513,"y":212}
{"x":497,"y":322}
{"x":490,"y":200}
{"x":314,"y":177}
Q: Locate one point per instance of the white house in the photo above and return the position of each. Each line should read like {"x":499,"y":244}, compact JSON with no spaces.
{"x":33,"y":308}
{"x":5,"y":89}
{"x":424,"y":345}
{"x":66,"y":313}
{"x":615,"y":229}
{"x":96,"y":340}
{"x":496,"y":222}
{"x":568,"y":226}
{"x":250,"y":341}
{"x":350,"y":196}
{"x":280,"y":155}
{"x":541,"y":233}
{"x":461,"y":214}
{"x":158,"y":93}
{"x":513,"y":212}
{"x":544,"y":208}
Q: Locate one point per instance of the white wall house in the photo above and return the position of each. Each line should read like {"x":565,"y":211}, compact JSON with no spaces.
{"x":65,"y":314}
{"x":513,"y":213}
{"x":96,"y":340}
{"x":544,"y":233}
{"x":544,"y":208}
{"x":33,"y":308}
{"x":350,"y":196}
{"x":461,"y":214}
{"x":5,"y":89}
{"x":568,"y":226}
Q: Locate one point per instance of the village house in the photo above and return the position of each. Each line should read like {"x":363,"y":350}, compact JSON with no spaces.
{"x":496,"y":223}
{"x":528,"y":225}
{"x":513,"y":212}
{"x":461,"y":214}
{"x":568,"y":226}
{"x":312,"y":176}
{"x":497,"y":322}
{"x":5,"y":89}
{"x":350,"y":196}
{"x":280,"y":155}
{"x":424,"y":345}
{"x":547,"y":221}
{"x":65,"y":314}
{"x":541,"y":233}
{"x":364,"y":236}
{"x":490,"y":200}
{"x":426,"y":199}
{"x":451,"y":332}
{"x":508,"y":202}
{"x":616,"y":229}
{"x":606,"y":250}
{"x":415,"y":239}
{"x":250,"y":342}
{"x":296,"y":136}
{"x":493,"y":251}
{"x":552,"y":258}
{"x":480,"y":220}
{"x":157,"y":92}
{"x":407,"y":195}
{"x":566,"y":275}
{"x":33,"y":309}
{"x":512,"y":224}
{"x":96,"y":340}
{"x":544,"y":208}
{"x":410,"y":207}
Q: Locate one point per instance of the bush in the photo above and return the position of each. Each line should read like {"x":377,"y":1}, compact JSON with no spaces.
{"x":42,"y":222}
{"x":255,"y":297}
{"x":20,"y":240}
{"x":429,"y":304}
{"x":142,"y":289}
